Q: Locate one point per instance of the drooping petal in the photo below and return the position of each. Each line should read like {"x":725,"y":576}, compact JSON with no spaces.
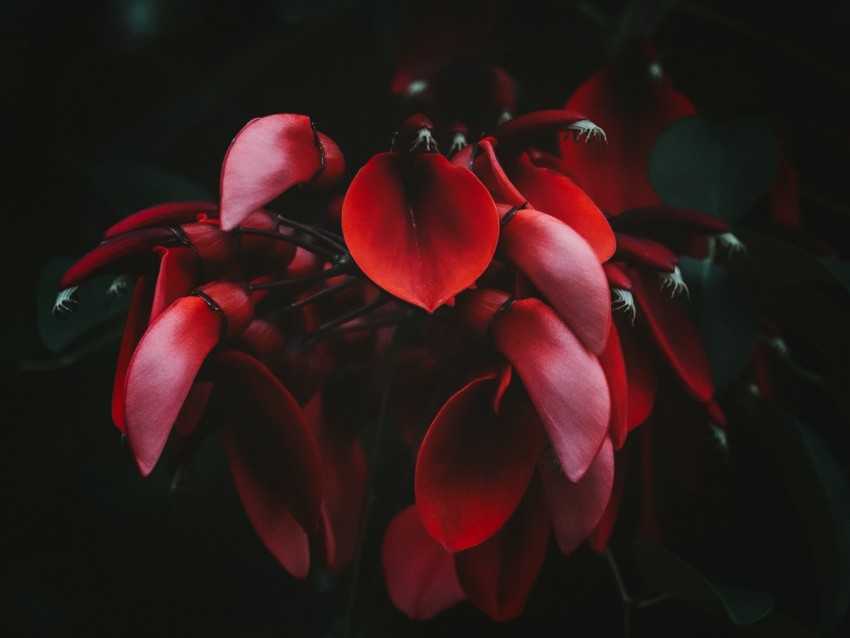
{"x":270,"y":446}
{"x":646,"y":252}
{"x":170,"y":214}
{"x":565,"y":269}
{"x":523,"y":128}
{"x":420,"y":574}
{"x":491,"y":173}
{"x":474,"y":465}
{"x":634,"y":107}
{"x":267,"y":157}
{"x":124,"y":253}
{"x":178,"y":274}
{"x":419,"y":227}
{"x":135,"y":326}
{"x":675,"y":335}
{"x":577,"y":508}
{"x":498,"y":575}
{"x":280,"y":532}
{"x":614,"y":365}
{"x":641,"y":374}
{"x":161,"y":372}
{"x":659,"y":221}
{"x":557,"y":195}
{"x":564,"y":379}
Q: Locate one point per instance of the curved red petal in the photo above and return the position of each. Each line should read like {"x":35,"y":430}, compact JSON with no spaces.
{"x":523,"y":127}
{"x":474,"y":465}
{"x":651,"y":221}
{"x":489,"y":170}
{"x":633,"y":108}
{"x":420,"y":574}
{"x":170,"y":214}
{"x":563,"y":378}
{"x":270,"y":446}
{"x":614,"y":271}
{"x":280,"y":532}
{"x":675,"y":335}
{"x":419,"y":227}
{"x":565,"y":269}
{"x":178,"y":274}
{"x":614,"y":365}
{"x":115,"y":255}
{"x":557,"y":195}
{"x":135,"y":326}
{"x":646,"y":252}
{"x":161,"y":373}
{"x":577,"y":508}
{"x":641,"y":374}
{"x":498,"y":575}
{"x":267,"y":157}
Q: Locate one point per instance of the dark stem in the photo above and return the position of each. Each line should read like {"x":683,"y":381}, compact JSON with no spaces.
{"x":369,"y":493}
{"x":332,"y":239}
{"x":325,"y":292}
{"x":323,"y":329}
{"x":371,"y":325}
{"x":626,"y":600}
{"x":329,"y":255}
{"x":337,"y":269}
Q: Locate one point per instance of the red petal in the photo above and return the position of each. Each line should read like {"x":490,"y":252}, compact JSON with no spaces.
{"x":161,"y":372}
{"x":646,"y":252}
{"x":488,"y":169}
{"x":171,"y":214}
{"x":564,"y":380}
{"x":616,"y":277}
{"x":268,"y":512}
{"x":558,"y":195}
{"x":419,"y":227}
{"x":137,"y":322}
{"x":614,"y":366}
{"x":193,"y":408}
{"x":474,"y":465}
{"x":675,"y":335}
{"x":268,"y":156}
{"x":653,"y":221}
{"x":641,"y":374}
{"x":270,"y":446}
{"x":178,"y":274}
{"x":633,"y":109}
{"x":577,"y":508}
{"x":565,"y":269}
{"x":498,"y":575}
{"x":123,"y":253}
{"x":599,"y":537}
{"x":526,"y":126}
{"x":420,"y":574}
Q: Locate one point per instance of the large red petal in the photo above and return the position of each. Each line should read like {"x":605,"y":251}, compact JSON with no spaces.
{"x":270,"y":445}
{"x":565,"y":269}
{"x":419,"y":227}
{"x":170,"y":214}
{"x":161,"y":372}
{"x":268,"y":512}
{"x":577,"y":508}
{"x":498,"y":575}
{"x":564,"y":379}
{"x":420,"y":574}
{"x":267,"y":157}
{"x":633,"y":108}
{"x":675,"y":335}
{"x":474,"y":465}
{"x":557,"y":195}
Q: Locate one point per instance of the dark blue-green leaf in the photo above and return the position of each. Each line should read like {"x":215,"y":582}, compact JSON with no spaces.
{"x":718,"y":167}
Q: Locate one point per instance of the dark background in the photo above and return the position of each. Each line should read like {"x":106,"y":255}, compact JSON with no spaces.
{"x":108,"y":107}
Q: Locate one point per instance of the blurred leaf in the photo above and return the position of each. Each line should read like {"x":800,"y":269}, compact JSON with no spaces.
{"x":129,"y":184}
{"x":820,"y":494}
{"x":804,"y":296}
{"x":666,"y":573}
{"x":718,"y":167}
{"x":725,"y":316}
{"x":95,"y":308}
{"x":840,"y":268}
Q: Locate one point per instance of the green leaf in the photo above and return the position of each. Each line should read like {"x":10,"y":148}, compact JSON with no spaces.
{"x":725,"y":316}
{"x":819,"y":492}
{"x":95,"y":311}
{"x":718,"y":167}
{"x":666,"y":573}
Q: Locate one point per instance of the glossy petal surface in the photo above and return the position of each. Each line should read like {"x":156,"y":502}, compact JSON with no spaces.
{"x":418,"y":227}
{"x":563,"y":378}
{"x":474,"y":465}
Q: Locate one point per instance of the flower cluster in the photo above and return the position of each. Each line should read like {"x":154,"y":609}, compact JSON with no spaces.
{"x":522,"y":289}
